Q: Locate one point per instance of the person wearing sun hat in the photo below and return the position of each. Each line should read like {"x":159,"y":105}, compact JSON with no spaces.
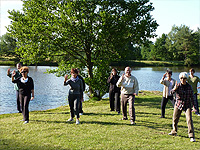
{"x":184,"y":98}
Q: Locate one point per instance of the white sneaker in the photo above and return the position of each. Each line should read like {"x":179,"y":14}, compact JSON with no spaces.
{"x":192,"y":140}
{"x":198,"y":115}
{"x":25,"y":122}
{"x":77,"y":121}
{"x":80,"y":114}
{"x":70,"y":119}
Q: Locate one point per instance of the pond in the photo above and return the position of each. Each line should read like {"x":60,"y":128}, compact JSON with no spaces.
{"x":50,"y":92}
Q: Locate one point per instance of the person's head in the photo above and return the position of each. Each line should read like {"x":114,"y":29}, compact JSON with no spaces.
{"x":24,"y":71}
{"x":192,"y":71}
{"x":169,"y":73}
{"x":74,"y":72}
{"x":18,"y":66}
{"x":183,"y":77}
{"x":128,"y":71}
{"x":114,"y":71}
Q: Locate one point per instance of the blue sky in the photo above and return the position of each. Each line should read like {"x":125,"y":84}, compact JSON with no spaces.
{"x":167,"y":13}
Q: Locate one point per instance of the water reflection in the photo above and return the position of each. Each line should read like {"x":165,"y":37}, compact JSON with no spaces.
{"x":50,"y":92}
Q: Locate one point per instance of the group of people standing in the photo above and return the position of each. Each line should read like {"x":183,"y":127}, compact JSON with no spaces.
{"x":181,"y":95}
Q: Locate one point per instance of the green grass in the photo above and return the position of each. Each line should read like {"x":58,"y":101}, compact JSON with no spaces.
{"x":99,"y":128}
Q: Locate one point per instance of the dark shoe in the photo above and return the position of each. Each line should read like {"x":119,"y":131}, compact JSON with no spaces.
{"x":112,"y":110}
{"x":124,"y":119}
{"x":162,"y":117}
{"x":20,"y":112}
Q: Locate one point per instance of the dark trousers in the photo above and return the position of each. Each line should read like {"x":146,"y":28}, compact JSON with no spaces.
{"x":80,"y":107}
{"x":74,"y":102}
{"x":19,"y":108}
{"x":24,"y":101}
{"x":196,"y":105}
{"x":114,"y":101}
{"x":164,"y":103}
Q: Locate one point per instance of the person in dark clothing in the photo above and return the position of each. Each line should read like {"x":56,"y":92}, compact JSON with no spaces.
{"x":114,"y":91}
{"x":26,"y":88}
{"x":81,"y":105}
{"x":17,"y":75}
{"x":75,"y":94}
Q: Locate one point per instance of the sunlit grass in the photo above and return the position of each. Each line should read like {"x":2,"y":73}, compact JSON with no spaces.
{"x":99,"y":128}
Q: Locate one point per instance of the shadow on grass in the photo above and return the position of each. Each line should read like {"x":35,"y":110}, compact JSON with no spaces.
{"x":11,"y":144}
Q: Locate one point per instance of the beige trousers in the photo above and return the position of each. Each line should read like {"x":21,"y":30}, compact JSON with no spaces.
{"x":128,"y":98}
{"x":176,"y":116}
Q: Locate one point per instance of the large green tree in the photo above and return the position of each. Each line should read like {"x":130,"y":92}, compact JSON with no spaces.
{"x":7,"y":45}
{"x":84,"y":34}
{"x":180,"y":42}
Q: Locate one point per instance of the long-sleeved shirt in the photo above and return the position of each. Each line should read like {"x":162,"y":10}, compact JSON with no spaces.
{"x":193,"y":82}
{"x":17,"y":75}
{"x":25,"y":88}
{"x":184,"y":96}
{"x":113,"y":81}
{"x":76,"y":87}
{"x":129,"y":85}
{"x":166,"y":84}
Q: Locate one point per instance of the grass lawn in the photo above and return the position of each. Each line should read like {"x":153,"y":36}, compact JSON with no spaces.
{"x":99,"y":128}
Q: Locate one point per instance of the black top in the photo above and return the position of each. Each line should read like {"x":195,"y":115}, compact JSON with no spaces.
{"x":25,"y":88}
{"x":80,"y":77}
{"x":113,"y":82}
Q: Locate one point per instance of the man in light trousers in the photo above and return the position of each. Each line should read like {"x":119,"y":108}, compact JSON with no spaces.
{"x":129,"y":88}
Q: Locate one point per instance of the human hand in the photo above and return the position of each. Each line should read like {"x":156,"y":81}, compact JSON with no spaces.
{"x":32,"y":98}
{"x":164,"y":75}
{"x":123,"y":76}
{"x":135,"y":94}
{"x":66,"y":77}
{"x":8,"y":71}
{"x":13,"y":73}
{"x":198,"y":87}
{"x":176,"y":86}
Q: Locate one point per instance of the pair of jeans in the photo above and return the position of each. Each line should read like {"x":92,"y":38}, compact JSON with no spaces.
{"x":24,"y":101}
{"x":176,"y":116}
{"x":164,"y":103}
{"x":128,"y":98}
{"x":74,"y":102}
{"x":196,"y":105}
{"x":114,"y":101}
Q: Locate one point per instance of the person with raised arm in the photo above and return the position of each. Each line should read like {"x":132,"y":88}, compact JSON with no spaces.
{"x":169,"y":84}
{"x":129,"y":89}
{"x":75,"y":94}
{"x":114,"y":91}
{"x":17,"y":75}
{"x":184,"y":99}
{"x":26,"y":91}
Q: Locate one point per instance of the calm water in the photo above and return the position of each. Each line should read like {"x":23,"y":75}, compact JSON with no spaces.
{"x":50,"y":92}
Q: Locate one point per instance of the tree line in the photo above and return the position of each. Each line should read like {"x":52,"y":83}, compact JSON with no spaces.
{"x":84,"y":34}
{"x":180,"y":44}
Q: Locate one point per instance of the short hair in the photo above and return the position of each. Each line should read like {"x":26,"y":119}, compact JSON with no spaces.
{"x":183,"y":75}
{"x":74,"y":70}
{"x":169,"y":72}
{"x":192,"y":70}
{"x":25,"y":68}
